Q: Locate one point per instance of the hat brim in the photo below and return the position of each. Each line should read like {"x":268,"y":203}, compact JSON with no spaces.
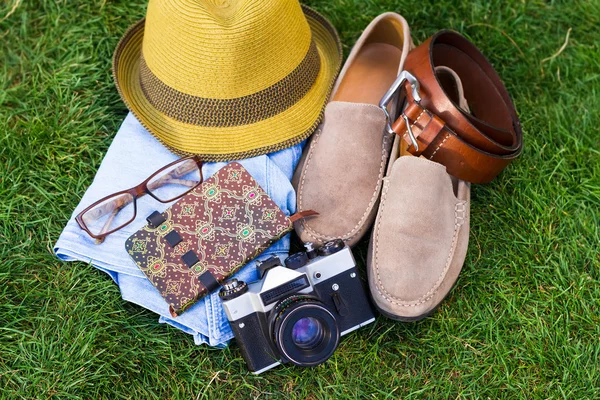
{"x":283,"y":130}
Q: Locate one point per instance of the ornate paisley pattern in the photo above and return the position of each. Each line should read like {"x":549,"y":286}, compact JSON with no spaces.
{"x":226,"y":221}
{"x":138,"y":246}
{"x":188,"y":210}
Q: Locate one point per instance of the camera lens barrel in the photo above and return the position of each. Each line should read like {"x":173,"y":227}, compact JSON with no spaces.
{"x":304,"y":331}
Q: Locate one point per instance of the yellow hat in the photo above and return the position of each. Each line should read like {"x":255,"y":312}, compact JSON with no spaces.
{"x":228,"y":79}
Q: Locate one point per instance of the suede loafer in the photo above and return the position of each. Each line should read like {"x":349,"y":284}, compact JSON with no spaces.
{"x":421,"y":234}
{"x":341,"y":171}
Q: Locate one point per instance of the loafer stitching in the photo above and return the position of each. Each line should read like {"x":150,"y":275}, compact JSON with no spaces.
{"x":313,"y":143}
{"x":458,"y":222}
{"x":354,"y":231}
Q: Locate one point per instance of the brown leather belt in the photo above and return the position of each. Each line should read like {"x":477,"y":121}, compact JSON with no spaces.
{"x":473,"y":146}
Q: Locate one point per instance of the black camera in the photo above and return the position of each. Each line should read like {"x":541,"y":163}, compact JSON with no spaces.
{"x":297,"y":313}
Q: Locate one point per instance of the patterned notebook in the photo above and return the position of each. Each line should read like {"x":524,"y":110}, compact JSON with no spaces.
{"x":206,"y":236}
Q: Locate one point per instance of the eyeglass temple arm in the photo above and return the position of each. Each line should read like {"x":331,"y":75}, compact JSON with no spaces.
{"x":172,"y":177}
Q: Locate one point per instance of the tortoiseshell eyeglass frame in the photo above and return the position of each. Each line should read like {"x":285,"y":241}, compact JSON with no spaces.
{"x":139,"y":191}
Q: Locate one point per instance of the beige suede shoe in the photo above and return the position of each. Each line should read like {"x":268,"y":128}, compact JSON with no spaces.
{"x":421,"y":233}
{"x":341,"y":171}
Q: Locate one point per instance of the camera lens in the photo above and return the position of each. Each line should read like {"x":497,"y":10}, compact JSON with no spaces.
{"x":304,"y":331}
{"x":307,"y":332}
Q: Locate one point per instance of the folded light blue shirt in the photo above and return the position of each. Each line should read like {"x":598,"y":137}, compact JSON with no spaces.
{"x":134,"y":155}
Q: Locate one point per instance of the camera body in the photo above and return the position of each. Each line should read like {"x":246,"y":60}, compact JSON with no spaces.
{"x":297,"y":313}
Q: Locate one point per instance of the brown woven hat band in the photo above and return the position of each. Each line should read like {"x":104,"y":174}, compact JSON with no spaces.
{"x":243,"y":110}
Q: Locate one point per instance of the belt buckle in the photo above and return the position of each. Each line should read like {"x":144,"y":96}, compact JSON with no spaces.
{"x":403,"y":77}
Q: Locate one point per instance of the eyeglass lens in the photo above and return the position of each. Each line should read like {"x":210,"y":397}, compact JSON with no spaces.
{"x":176,"y":180}
{"x":109,"y":215}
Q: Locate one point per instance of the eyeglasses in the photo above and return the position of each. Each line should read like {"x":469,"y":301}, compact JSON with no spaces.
{"x":115,"y":211}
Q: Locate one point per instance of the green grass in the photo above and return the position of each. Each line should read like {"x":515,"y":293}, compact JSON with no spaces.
{"x":522,"y":321}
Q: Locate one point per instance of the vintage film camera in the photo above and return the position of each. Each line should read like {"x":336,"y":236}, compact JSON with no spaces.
{"x":297,"y":313}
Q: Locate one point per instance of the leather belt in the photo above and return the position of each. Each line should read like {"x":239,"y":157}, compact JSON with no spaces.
{"x":474,"y":146}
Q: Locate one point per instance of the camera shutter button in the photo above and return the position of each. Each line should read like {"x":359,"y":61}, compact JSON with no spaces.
{"x":311,"y":252}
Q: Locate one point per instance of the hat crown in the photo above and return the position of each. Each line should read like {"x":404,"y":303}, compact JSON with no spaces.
{"x":222,"y":9}
{"x":214,"y":48}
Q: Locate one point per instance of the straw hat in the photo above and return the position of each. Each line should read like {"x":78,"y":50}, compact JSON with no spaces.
{"x":228,"y":79}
